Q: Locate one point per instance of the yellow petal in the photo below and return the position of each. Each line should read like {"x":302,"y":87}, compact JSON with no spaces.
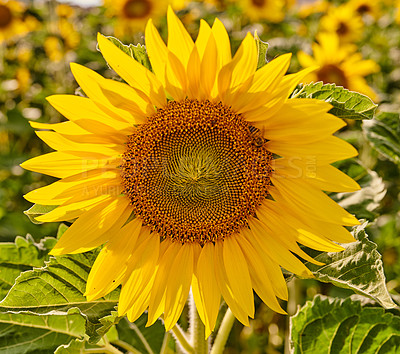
{"x":61,"y":164}
{"x":247,"y":61}
{"x":317,"y":203}
{"x":132,"y":105}
{"x":224,"y":46}
{"x":263,"y":240}
{"x":176,"y":81}
{"x":328,"y":230}
{"x":224,"y":286}
{"x":157,"y":50}
{"x":208,"y":67}
{"x":259,"y":276}
{"x":157,"y":297}
{"x":73,"y":184}
{"x":142,"y":268}
{"x":85,"y":113}
{"x":270,"y":75}
{"x":179,"y":41}
{"x":72,"y":210}
{"x":135,"y":74}
{"x":94,"y":227}
{"x":325,"y":177}
{"x":193,"y":74}
{"x":274,"y":223}
{"x":110,"y":266}
{"x":62,"y":128}
{"x":322,"y":152}
{"x":206,"y":291}
{"x":58,"y":142}
{"x":202,"y":38}
{"x":272,"y":268}
{"x":178,"y":285}
{"x":141,"y":303}
{"x":238,"y":274}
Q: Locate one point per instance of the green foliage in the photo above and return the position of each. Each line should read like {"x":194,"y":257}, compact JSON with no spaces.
{"x":336,"y":326}
{"x":346,"y":104}
{"x":262,"y":49}
{"x":59,"y":286}
{"x":137,"y":52}
{"x":364,"y":202}
{"x":27,"y":332}
{"x":384,"y":135}
{"x":73,"y":347}
{"x":50,"y":299}
{"x":37,"y":210}
{"x":22,"y":255}
{"x":359,"y":268}
{"x":145,"y":339}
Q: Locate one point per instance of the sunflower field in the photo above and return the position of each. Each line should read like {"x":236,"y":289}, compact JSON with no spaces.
{"x":217,"y":176}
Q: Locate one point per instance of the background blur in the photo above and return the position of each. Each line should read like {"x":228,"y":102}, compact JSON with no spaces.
{"x":355,"y":43}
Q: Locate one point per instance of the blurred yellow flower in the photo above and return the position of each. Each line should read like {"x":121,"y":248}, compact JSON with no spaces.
{"x":24,"y":54}
{"x":344,"y":21}
{"x":54,"y":48}
{"x":270,"y":10}
{"x":68,"y":33}
{"x":339,"y":64}
{"x":366,"y":7}
{"x":12,"y":22}
{"x":211,"y":189}
{"x":65,"y":11}
{"x":23,"y":77}
{"x":309,"y":8}
{"x":132,"y":15}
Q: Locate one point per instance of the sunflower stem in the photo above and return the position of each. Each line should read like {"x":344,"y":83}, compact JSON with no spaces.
{"x":223,"y":332}
{"x":180,"y":337}
{"x":197,"y":329}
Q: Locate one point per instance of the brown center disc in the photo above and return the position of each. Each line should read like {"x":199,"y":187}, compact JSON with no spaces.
{"x":195,"y":171}
{"x":5,"y":16}
{"x":136,"y":9}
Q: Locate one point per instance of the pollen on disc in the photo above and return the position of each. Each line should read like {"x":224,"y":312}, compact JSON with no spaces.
{"x":195,"y":171}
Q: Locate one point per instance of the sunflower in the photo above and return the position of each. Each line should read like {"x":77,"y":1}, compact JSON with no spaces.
{"x":271,"y":10}
{"x":344,"y":21}
{"x":12,"y":23}
{"x":365,"y":7}
{"x":132,"y":15}
{"x":339,"y":64}
{"x":310,"y":8}
{"x":211,"y":188}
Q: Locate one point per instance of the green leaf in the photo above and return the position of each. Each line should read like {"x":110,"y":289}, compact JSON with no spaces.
{"x":22,"y":255}
{"x":346,"y":104}
{"x":26,"y":332}
{"x":59,"y":286}
{"x":365,"y":201}
{"x":141,"y":337}
{"x":359,"y":268}
{"x":36,"y":210}
{"x":384,"y":135}
{"x":107,"y":322}
{"x":262,"y":49}
{"x":137,"y":52}
{"x":73,"y":347}
{"x":335,"y":326}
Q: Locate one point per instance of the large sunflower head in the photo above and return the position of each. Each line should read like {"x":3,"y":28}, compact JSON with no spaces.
{"x":201,"y":174}
{"x":340,"y":64}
